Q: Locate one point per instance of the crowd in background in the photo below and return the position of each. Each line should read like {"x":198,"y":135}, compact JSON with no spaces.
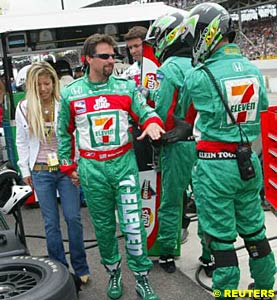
{"x":258,"y":38}
{"x":261,"y":38}
{"x":184,"y":3}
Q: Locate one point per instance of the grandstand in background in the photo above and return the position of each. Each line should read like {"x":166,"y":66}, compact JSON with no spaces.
{"x":255,"y":20}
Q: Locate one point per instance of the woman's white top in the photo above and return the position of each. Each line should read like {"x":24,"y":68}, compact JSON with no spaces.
{"x":28,"y":145}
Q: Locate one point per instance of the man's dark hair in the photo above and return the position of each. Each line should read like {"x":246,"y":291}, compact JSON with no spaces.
{"x":136,"y":32}
{"x":92,"y":41}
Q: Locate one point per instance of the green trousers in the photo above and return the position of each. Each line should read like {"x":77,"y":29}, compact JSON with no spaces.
{"x":226,"y":206}
{"x":176,"y":161}
{"x":107,"y":185}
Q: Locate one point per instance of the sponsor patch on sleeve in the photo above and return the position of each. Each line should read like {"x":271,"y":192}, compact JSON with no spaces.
{"x":80,"y":107}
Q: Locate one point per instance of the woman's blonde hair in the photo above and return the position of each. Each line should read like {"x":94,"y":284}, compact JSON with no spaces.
{"x":34,"y":109}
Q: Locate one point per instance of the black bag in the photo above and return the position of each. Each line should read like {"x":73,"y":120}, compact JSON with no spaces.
{"x":245,"y":165}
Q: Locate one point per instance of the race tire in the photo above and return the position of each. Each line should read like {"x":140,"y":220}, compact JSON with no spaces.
{"x":35,"y":278}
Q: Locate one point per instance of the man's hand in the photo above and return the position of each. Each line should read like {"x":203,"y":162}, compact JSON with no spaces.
{"x":153,"y":130}
{"x":144,"y":91}
{"x":181,"y":131}
{"x":75,"y":178}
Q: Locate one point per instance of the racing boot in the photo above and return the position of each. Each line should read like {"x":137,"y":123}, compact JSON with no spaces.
{"x":208,"y":266}
{"x":167,"y":262}
{"x":114,"y":290}
{"x":251,"y":286}
{"x":143,"y":287}
{"x":184,"y":235}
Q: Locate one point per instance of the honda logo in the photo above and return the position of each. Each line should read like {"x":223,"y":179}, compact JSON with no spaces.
{"x":237,"y":67}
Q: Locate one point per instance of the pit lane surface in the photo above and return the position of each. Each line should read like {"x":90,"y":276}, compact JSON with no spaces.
{"x":175,"y":286}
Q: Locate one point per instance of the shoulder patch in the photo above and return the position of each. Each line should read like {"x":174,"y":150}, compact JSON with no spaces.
{"x":160,"y":76}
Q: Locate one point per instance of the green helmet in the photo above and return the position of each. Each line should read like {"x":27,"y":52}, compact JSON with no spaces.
{"x":165,"y":32}
{"x":206,"y":25}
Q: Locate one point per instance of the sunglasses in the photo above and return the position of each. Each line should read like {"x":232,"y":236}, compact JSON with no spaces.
{"x":104,"y":55}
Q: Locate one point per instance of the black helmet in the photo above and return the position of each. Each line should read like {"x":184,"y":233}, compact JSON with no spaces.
{"x":206,"y":25}
{"x":164,"y":33}
{"x":62,"y":67}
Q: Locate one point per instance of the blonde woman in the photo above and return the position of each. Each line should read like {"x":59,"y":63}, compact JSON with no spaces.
{"x":36,"y":141}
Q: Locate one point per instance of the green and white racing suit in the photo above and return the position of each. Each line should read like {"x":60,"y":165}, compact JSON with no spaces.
{"x":99,"y":112}
{"x":226,"y":204}
{"x":176,"y":159}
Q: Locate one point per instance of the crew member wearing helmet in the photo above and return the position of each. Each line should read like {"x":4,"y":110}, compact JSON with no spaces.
{"x":227,"y":176}
{"x":176,"y":157}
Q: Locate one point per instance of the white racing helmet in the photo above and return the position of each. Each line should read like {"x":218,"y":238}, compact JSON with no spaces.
{"x":13,"y":190}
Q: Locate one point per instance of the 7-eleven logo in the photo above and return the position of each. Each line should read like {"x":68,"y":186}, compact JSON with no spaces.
{"x":104,"y":129}
{"x":247,"y":91}
{"x":243,"y":99}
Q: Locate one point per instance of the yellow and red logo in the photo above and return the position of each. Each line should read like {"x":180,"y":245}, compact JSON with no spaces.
{"x":172,"y":34}
{"x":246,"y":91}
{"x":147,"y":216}
{"x":150,"y":81}
{"x":105,"y":123}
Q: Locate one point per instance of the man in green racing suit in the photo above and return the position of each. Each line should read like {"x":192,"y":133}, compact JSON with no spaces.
{"x":98,"y":107}
{"x":176,"y":158}
{"x":177,"y":154}
{"x":227,"y":177}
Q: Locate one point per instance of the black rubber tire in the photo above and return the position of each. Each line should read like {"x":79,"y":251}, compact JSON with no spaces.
{"x":35,"y":278}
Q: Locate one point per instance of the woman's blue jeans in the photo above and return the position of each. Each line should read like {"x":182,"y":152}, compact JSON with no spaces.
{"x":46,"y":185}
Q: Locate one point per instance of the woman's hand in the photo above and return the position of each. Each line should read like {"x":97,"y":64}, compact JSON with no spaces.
{"x":28,"y":180}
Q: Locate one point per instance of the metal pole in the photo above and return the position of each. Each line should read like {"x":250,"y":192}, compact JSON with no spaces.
{"x":8,"y":74}
{"x":240,"y":25}
{"x":62,"y":4}
{"x":19,"y":222}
